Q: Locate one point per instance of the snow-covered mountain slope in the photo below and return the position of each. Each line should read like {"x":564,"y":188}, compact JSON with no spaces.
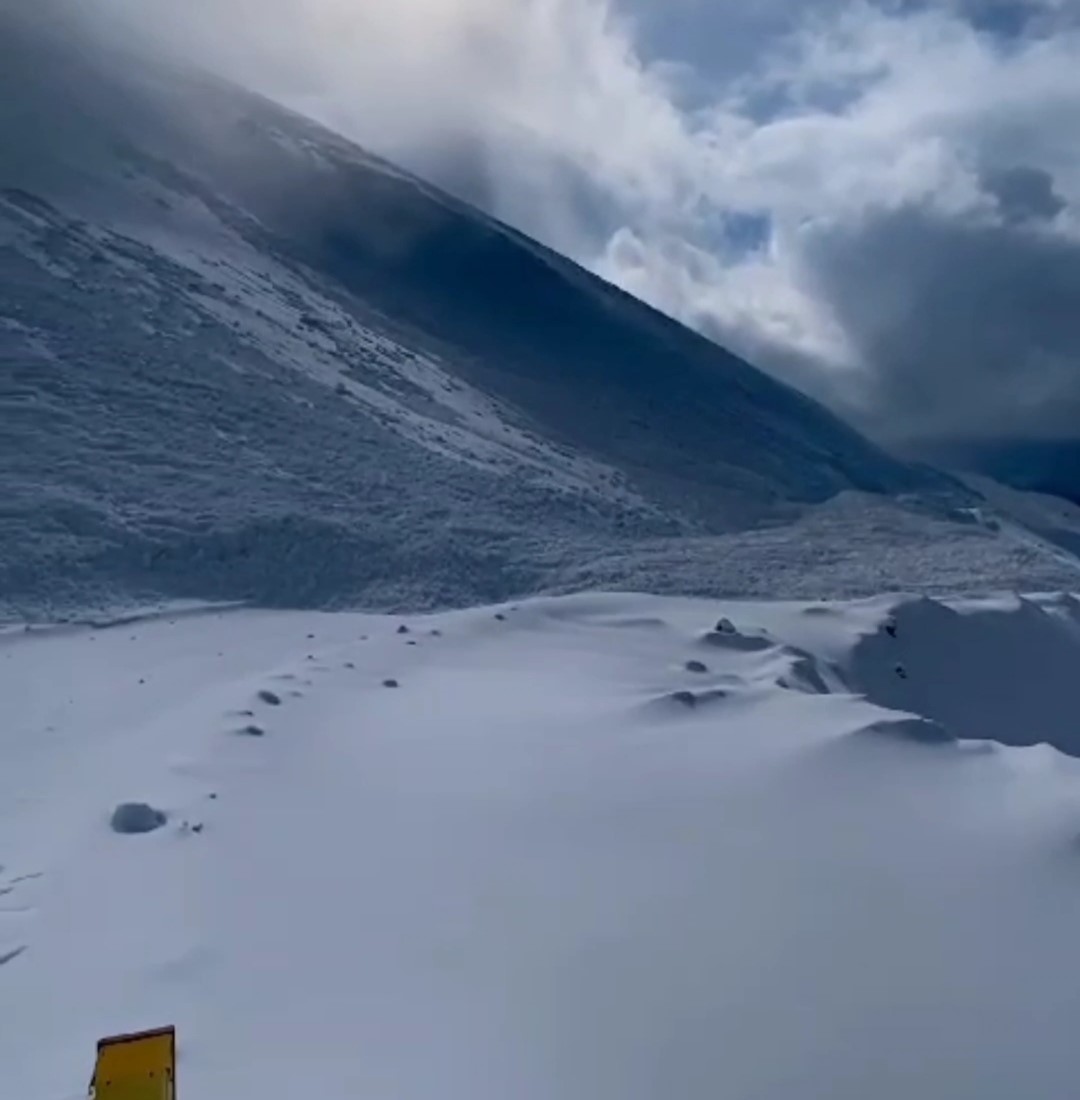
{"x":242,"y":359}
{"x":586,"y":849}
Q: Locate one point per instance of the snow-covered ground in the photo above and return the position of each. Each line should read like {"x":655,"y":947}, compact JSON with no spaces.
{"x":589,"y":847}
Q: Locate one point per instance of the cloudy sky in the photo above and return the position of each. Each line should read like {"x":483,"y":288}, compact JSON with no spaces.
{"x":876,"y":199}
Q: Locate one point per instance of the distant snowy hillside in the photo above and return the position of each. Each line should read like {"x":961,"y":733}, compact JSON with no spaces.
{"x":242,"y":359}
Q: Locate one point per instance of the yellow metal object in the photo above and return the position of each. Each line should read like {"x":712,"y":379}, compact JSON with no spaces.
{"x":136,"y":1067}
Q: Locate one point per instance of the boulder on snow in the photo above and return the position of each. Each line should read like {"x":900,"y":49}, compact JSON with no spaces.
{"x":691,"y":700}
{"x":735,"y":642}
{"x":725,"y":626}
{"x":137,"y":817}
{"x":696,"y":666}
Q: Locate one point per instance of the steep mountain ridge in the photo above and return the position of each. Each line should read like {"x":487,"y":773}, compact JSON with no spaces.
{"x":244,"y":359}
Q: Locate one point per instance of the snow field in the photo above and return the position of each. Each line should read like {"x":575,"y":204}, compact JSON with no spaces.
{"x":534,"y":869}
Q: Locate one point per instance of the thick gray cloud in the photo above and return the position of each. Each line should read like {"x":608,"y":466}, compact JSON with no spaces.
{"x":1024,"y":193}
{"x":879,"y":201}
{"x":972,"y":326}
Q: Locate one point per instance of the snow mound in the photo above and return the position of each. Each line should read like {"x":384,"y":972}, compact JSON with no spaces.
{"x":1003,"y":669}
{"x":923,"y":731}
{"x":804,"y":673}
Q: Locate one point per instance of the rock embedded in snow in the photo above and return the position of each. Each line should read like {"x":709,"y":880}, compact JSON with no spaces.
{"x":694,"y":700}
{"x":390,"y":684}
{"x":270,"y":698}
{"x":137,"y":817}
{"x":736,"y":642}
{"x":696,"y":666}
{"x":685,"y":698}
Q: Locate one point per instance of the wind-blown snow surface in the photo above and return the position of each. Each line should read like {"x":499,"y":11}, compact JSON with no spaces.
{"x":242,"y":359}
{"x":587,"y":848}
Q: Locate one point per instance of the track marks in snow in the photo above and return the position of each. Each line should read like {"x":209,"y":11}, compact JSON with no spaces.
{"x":12,"y":955}
{"x":14,"y":909}
{"x":12,"y":886}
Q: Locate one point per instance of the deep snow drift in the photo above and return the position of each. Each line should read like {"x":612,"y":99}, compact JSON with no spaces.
{"x":242,"y":359}
{"x":597,"y":847}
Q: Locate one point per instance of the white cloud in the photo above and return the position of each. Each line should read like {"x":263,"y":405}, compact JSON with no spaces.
{"x":887,"y":121}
